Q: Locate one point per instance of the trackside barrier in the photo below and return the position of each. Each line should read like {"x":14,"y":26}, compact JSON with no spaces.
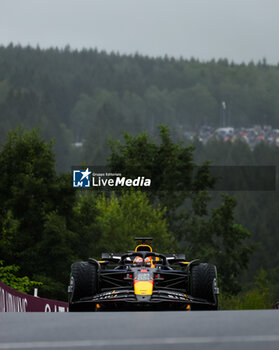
{"x":13,"y":301}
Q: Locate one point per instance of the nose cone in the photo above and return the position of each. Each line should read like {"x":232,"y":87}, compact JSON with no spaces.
{"x":143,"y":290}
{"x":143,"y":287}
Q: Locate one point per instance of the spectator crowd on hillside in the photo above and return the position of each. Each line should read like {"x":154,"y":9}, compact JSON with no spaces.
{"x":252,"y":136}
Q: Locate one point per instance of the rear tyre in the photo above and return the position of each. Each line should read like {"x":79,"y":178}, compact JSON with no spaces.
{"x":83,"y":283}
{"x":203,"y":284}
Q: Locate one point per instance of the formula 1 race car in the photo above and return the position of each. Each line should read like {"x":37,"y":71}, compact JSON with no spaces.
{"x":142,"y":280}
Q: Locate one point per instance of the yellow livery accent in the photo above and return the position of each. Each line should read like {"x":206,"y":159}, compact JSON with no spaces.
{"x":143,"y":287}
{"x":144,"y":247}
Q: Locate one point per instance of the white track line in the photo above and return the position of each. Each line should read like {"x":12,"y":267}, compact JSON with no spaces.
{"x":143,"y":341}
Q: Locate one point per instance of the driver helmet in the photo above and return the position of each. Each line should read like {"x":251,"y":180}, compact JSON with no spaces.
{"x":148,"y":261}
{"x":138,"y":261}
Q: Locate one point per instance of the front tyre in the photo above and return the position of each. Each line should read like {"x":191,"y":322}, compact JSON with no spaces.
{"x":83,"y":283}
{"x":204,"y":285}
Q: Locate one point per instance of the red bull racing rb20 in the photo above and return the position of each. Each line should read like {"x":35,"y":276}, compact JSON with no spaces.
{"x":142,"y":280}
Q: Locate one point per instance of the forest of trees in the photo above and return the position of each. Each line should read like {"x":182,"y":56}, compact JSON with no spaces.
{"x":80,"y":99}
{"x":87,"y":96}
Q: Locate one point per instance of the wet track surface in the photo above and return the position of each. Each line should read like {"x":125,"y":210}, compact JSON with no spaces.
{"x":147,"y":330}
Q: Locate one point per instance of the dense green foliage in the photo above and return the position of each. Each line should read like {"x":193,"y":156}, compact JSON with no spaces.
{"x":110,"y":223}
{"x":121,"y":219}
{"x":258,"y":296}
{"x":257,"y":211}
{"x":35,"y":208}
{"x":8,"y":275}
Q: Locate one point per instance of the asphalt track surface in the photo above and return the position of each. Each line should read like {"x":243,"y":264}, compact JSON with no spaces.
{"x":141,"y":330}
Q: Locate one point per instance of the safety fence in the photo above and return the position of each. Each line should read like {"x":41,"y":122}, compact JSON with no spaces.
{"x":14,"y":301}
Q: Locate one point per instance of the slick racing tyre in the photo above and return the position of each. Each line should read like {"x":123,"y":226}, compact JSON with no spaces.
{"x":83,"y":283}
{"x":203,"y":283}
